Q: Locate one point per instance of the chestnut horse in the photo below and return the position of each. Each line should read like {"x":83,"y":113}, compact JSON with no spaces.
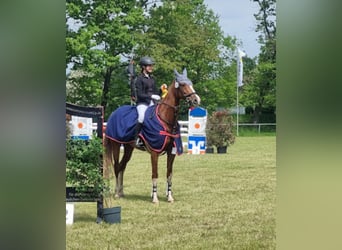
{"x":166,"y":112}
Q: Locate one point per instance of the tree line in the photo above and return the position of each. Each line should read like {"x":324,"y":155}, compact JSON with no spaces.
{"x":103,"y":37}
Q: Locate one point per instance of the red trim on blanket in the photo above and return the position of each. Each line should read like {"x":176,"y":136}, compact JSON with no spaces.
{"x":160,"y":121}
{"x":168,"y":134}
{"x":164,"y":127}
{"x":162,"y":132}
{"x":126,"y":142}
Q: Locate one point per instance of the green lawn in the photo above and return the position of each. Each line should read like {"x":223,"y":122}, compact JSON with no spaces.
{"x":222,"y":201}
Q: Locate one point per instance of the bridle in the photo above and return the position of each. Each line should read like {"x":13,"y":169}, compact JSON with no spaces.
{"x":186,"y":96}
{"x":176,"y":108}
{"x":187,"y":99}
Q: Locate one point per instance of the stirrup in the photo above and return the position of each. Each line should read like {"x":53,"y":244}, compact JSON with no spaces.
{"x":139,"y":143}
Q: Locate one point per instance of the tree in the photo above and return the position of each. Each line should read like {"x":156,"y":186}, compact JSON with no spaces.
{"x":266,"y":25}
{"x":99,"y":34}
{"x":176,"y":33}
{"x":184,"y":33}
{"x":220,"y":91}
{"x":259,"y":90}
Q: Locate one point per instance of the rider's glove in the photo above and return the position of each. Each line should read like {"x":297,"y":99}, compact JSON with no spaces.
{"x":155,"y":97}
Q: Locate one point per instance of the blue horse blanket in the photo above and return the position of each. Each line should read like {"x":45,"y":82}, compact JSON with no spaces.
{"x":121,"y":128}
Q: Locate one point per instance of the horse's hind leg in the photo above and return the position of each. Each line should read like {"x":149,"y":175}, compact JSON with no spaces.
{"x":119,"y":168}
{"x":112,"y":153}
{"x":113,"y":149}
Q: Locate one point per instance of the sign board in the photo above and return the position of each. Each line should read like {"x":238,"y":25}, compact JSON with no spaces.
{"x":81,"y":127}
{"x":197,"y":121}
{"x":69,"y":214}
{"x":196,"y":131}
{"x":196,"y":145}
{"x":197,"y":126}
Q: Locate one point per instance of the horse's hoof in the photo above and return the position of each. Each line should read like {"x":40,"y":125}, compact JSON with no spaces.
{"x":155,"y":199}
{"x":169,"y":196}
{"x":118,"y":196}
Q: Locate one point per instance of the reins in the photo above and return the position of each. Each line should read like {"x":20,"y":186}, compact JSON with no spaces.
{"x":176,"y":110}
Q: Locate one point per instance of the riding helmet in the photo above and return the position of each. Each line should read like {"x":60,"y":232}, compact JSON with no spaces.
{"x":145,"y":60}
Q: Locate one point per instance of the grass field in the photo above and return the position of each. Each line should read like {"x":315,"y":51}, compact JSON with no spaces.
{"x":222,"y":201}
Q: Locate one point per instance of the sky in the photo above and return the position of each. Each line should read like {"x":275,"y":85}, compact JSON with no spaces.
{"x":236,"y":19}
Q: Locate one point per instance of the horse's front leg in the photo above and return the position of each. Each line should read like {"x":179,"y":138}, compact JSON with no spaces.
{"x":170,"y":160}
{"x":154,"y":161}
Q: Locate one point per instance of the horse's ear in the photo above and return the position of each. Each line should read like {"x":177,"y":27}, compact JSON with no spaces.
{"x":176,"y":73}
{"x":185,"y":73}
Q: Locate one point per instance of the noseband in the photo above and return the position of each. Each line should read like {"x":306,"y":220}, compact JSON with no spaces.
{"x":176,"y":108}
{"x":188,"y":100}
{"x":188,"y":95}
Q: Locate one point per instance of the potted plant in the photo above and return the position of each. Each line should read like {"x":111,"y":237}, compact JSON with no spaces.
{"x":209,"y":149}
{"x":83,"y":173}
{"x":83,"y":165}
{"x":219,"y":130}
{"x":111,"y":213}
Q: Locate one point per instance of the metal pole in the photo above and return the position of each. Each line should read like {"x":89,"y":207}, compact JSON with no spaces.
{"x":237,"y":93}
{"x":237,"y":109}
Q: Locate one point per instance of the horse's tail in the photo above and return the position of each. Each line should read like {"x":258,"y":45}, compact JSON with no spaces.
{"x":108,"y":156}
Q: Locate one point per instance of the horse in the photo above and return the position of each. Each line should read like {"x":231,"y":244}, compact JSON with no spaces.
{"x":162,"y":138}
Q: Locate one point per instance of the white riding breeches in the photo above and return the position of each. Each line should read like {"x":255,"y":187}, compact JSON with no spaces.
{"x":141,"y":108}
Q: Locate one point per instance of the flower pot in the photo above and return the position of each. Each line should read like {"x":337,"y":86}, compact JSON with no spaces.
{"x":222,"y":150}
{"x":209,"y":150}
{"x":112,"y":215}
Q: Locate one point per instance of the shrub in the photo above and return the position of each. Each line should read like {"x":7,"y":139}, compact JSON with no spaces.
{"x":219,"y":130}
{"x":84,"y":164}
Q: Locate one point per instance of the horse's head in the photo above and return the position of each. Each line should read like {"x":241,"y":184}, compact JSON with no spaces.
{"x":185,"y":89}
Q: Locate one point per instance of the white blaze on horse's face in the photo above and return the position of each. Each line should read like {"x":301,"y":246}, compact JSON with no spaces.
{"x":196,"y":100}
{"x":192,"y":98}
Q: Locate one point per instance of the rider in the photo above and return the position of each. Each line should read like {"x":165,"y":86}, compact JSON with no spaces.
{"x":146,"y":92}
